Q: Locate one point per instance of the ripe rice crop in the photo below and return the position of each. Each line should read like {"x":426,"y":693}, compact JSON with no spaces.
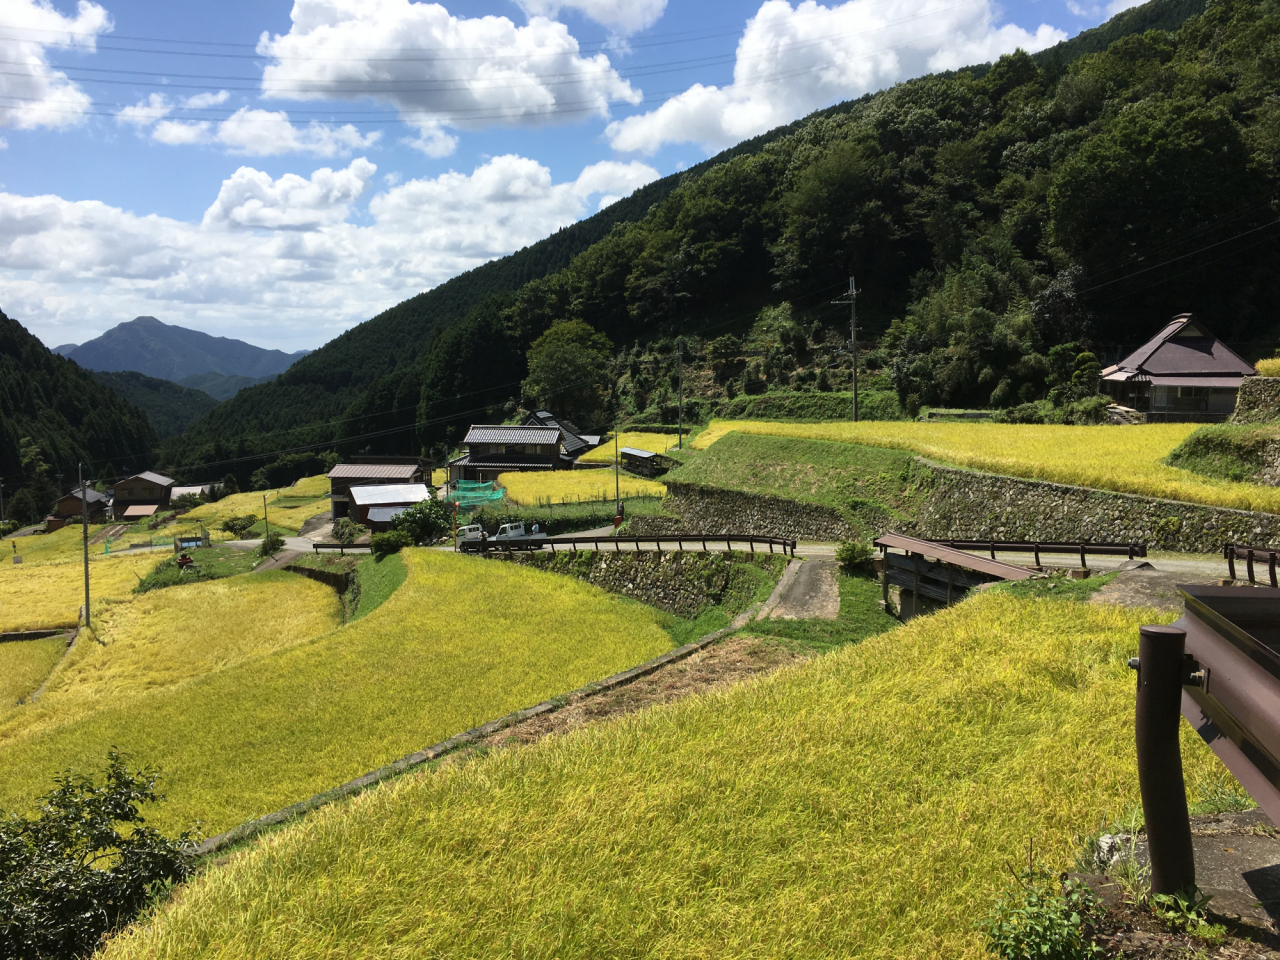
{"x":23,"y":666}
{"x":256,"y":734}
{"x":1269,"y":367}
{"x":863,"y":804}
{"x":653,"y":442}
{"x":51,"y":594}
{"x":64,"y":544}
{"x":244,"y":504}
{"x":572,"y":486}
{"x":1125,"y":459}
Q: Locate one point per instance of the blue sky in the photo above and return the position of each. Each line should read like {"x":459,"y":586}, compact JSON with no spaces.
{"x":279,"y":171}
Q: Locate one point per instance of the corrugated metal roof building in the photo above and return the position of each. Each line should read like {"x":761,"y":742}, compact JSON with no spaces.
{"x":344,"y":476}
{"x":384,"y":497}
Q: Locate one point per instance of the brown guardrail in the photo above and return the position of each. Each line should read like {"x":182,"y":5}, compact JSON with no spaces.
{"x":342,"y":548}
{"x":1129,"y":550}
{"x":1219,"y":665}
{"x":1233,"y":552}
{"x":506,"y":546}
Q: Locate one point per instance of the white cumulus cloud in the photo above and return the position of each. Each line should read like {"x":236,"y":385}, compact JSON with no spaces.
{"x":791,"y":61}
{"x":623,"y":17}
{"x":203,"y":101}
{"x":438,"y":70}
{"x":277,"y":260}
{"x":32,"y":93}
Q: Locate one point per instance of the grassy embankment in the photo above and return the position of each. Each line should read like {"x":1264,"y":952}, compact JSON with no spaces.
{"x":24,"y":664}
{"x":1125,"y":459}
{"x":864,"y":484}
{"x":863,"y":804}
{"x":238,"y":736}
{"x":1227,"y":451}
{"x":378,"y":577}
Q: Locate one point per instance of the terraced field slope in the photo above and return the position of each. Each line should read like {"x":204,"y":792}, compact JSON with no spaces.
{"x":248,"y":699}
{"x":1127,"y":459}
{"x":572,"y":486}
{"x":23,"y":666}
{"x":50,"y":594}
{"x":864,"y":804}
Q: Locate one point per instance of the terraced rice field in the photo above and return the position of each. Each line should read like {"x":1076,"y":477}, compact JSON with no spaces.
{"x":864,"y":804}
{"x":249,"y":696}
{"x":653,"y":442}
{"x":24,"y":664}
{"x":50,"y":594}
{"x":1125,"y":459}
{"x":573,"y":486}
{"x":290,"y":515}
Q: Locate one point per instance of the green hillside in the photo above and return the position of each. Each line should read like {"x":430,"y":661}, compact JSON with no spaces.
{"x":991,"y":213}
{"x":67,"y":417}
{"x":169,"y":407}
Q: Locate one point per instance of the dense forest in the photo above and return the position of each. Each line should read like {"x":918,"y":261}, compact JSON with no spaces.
{"x":169,"y":406}
{"x":53,"y":415}
{"x":989,"y":215}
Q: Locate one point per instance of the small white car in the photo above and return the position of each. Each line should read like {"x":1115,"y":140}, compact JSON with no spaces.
{"x":471,"y":531}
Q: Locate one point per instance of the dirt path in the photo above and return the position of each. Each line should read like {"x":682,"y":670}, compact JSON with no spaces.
{"x":1147,"y":588}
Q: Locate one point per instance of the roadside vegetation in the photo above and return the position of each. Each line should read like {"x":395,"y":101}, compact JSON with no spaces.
{"x":574,"y":486}
{"x":864,"y":803}
{"x":51,"y":594}
{"x":239,"y":733}
{"x":24,"y":664}
{"x":1125,"y":459}
{"x":211,"y":563}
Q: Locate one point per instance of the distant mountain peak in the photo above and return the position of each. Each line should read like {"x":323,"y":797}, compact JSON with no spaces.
{"x":169,"y":352}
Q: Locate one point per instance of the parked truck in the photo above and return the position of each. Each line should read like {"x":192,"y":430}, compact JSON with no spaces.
{"x":510,"y":536}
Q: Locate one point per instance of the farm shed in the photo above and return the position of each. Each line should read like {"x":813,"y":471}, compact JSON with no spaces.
{"x":393,"y":470}
{"x":1184,"y":374}
{"x":494,"y":448}
{"x":646,"y":463}
{"x":144,"y":489}
{"x":383,"y":497}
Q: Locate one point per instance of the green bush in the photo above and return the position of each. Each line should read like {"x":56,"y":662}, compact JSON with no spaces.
{"x":1043,"y":919}
{"x":424,"y":522}
{"x":854,"y":556}
{"x":188,"y":501}
{"x":346,"y":530}
{"x":8,"y":527}
{"x":69,"y":876}
{"x":393,"y":541}
{"x":272,"y":544}
{"x":239,"y":526}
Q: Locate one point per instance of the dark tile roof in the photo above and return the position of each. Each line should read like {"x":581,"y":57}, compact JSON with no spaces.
{"x":1183,"y":348}
{"x":153,"y":478}
{"x":506,"y":461}
{"x":498,"y":433}
{"x":92,"y":496}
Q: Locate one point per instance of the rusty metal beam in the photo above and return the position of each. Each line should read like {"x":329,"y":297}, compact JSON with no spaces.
{"x":936,"y":551}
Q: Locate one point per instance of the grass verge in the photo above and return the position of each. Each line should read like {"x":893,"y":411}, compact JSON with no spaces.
{"x":212,"y":563}
{"x":863,"y":804}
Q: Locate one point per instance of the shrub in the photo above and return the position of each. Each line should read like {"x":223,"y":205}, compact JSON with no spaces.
{"x":272,"y":544}
{"x":1269,"y":367}
{"x":239,"y":525}
{"x":1041,"y":919}
{"x":188,"y":501}
{"x":424,"y":522}
{"x":8,"y":527}
{"x":854,"y":556}
{"x":393,"y":541}
{"x":346,"y":530}
{"x":56,"y":900}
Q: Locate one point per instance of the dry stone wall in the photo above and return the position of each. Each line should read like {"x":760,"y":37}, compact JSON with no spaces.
{"x":1258,"y":400}
{"x":680,"y":583}
{"x":714,"y":511}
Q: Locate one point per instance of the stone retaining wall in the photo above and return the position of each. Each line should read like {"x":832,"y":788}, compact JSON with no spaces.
{"x":683,"y":583}
{"x":1258,"y":400}
{"x":714,"y":511}
{"x":955,"y":503}
{"x":967,"y":505}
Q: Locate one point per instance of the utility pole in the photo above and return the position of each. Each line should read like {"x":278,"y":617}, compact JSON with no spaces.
{"x":84,"y":521}
{"x":680,"y":426}
{"x":266,"y":525}
{"x":617,"y":482}
{"x":852,"y":299}
{"x":1,"y":501}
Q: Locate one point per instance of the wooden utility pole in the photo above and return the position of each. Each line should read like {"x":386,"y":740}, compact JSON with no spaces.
{"x":84,"y":520}
{"x":680,"y":427}
{"x":852,"y":299}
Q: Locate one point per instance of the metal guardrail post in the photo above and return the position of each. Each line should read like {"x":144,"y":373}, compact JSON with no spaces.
{"x":1161,"y":666}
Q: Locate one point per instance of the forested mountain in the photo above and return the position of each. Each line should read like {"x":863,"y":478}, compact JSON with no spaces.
{"x":53,"y":415}
{"x":222,"y":386}
{"x":169,"y":407}
{"x":169,"y":352}
{"x":989,"y":214}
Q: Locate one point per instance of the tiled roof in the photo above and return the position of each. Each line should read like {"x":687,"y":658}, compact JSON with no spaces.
{"x":1183,"y":348}
{"x":153,"y":478}
{"x":389,"y":493}
{"x":486,"y":433}
{"x":373,"y":471}
{"x":92,"y":496}
{"x":505,"y":461}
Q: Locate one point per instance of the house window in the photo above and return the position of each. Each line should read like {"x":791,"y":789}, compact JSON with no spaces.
{"x":1192,"y":392}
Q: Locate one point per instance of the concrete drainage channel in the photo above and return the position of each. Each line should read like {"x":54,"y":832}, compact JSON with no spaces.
{"x":476,"y":734}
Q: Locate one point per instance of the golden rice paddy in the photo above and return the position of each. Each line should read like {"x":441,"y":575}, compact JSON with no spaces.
{"x":51,"y":594}
{"x":863,"y":804}
{"x":190,"y":684}
{"x":1125,"y":459}
{"x":23,"y":666}
{"x":251,"y":504}
{"x":574,"y":486}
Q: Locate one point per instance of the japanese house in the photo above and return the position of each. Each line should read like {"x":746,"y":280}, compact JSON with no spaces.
{"x":140,"y":495}
{"x":371,"y":471}
{"x":69,"y":509}
{"x":1184,"y":374}
{"x":493,"y":449}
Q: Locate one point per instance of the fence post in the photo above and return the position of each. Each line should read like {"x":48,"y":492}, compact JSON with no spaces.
{"x":1249,"y":564}
{"x":1230,"y":552}
{"x":1161,"y":665}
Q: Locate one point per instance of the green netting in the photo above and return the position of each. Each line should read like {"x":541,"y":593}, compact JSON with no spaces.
{"x":470,"y":493}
